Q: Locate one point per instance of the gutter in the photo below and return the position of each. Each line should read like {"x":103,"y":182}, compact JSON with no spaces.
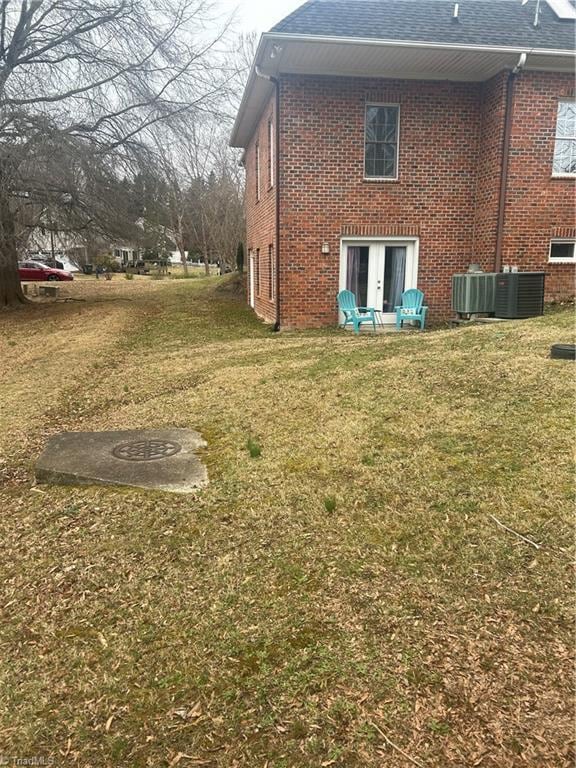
{"x":276,"y":84}
{"x":508,"y":117}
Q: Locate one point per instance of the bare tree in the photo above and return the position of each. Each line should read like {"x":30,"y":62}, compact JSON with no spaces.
{"x":197,"y":157}
{"x":244,"y":55}
{"x":213,"y":205}
{"x":223,"y":208}
{"x":84,"y":80}
{"x":175,"y":178}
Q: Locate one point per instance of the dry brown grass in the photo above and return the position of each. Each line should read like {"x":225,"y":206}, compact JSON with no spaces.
{"x":347,"y":583}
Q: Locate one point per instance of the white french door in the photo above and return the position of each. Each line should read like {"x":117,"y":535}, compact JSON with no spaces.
{"x":378,"y":271}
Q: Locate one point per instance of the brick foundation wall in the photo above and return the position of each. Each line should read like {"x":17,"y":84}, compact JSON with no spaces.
{"x":446,"y":193}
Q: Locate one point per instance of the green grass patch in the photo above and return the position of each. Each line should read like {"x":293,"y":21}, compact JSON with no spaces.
{"x":254,"y":448}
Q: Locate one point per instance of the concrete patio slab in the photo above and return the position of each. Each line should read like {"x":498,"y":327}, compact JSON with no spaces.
{"x":158,"y":459}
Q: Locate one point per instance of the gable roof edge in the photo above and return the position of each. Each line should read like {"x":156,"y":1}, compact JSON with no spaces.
{"x":253,"y":77}
{"x":372,"y":41}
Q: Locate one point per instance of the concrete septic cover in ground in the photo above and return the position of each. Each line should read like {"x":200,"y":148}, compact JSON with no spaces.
{"x":161,"y":459}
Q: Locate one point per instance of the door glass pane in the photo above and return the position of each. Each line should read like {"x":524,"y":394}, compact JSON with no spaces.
{"x":357,"y":273}
{"x":394,"y":277}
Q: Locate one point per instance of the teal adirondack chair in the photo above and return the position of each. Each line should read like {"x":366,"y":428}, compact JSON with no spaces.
{"x":411,"y":308}
{"x":354,"y":315}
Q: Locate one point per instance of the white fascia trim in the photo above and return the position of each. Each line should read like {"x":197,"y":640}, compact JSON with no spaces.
{"x":412,"y":44}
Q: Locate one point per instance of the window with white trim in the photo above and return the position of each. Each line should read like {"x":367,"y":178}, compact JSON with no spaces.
{"x":562,"y":251}
{"x":271,"y":272}
{"x":382,"y":123}
{"x":565,"y":144}
{"x":257,"y":171}
{"x":270,"y":153}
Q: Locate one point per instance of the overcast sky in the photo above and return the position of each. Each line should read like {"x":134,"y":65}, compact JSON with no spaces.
{"x":259,"y":15}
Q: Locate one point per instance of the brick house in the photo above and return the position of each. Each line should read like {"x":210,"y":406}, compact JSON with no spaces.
{"x":391,"y":143}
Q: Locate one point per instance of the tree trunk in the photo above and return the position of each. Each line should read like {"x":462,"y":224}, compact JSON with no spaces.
{"x":183,"y":260}
{"x":205,"y":248}
{"x":10,"y":289}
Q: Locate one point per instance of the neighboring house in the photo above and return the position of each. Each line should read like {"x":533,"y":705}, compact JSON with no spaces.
{"x":175,"y":257}
{"x":47,"y":247}
{"x":392,"y":143}
{"x":70,"y":248}
{"x":125,"y":254}
{"x":128,"y":252}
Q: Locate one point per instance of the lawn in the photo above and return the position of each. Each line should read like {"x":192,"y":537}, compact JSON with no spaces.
{"x":340,"y":594}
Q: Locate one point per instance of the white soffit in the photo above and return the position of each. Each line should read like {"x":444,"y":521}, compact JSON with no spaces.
{"x":326,"y":58}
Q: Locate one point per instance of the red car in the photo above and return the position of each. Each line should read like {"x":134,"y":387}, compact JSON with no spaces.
{"x":35,"y":270}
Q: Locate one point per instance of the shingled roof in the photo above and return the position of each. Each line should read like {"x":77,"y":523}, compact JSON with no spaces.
{"x":505,"y":23}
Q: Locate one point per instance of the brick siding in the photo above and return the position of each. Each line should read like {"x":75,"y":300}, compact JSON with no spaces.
{"x":539,"y":207}
{"x":261,"y":216}
{"x":488,"y":170}
{"x":446,"y":193}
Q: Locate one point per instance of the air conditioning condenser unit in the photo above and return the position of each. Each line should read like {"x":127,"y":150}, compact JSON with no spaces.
{"x":474,"y":293}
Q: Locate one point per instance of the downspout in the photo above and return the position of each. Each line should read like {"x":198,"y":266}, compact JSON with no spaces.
{"x":276,"y":84}
{"x":508,"y":115}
